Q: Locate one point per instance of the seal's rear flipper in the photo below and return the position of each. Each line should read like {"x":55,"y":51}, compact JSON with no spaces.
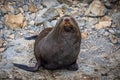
{"x":31,"y":37}
{"x":24,"y":67}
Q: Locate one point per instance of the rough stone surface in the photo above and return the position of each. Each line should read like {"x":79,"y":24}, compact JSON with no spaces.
{"x":53,"y":23}
{"x":7,"y":8}
{"x":50,"y":3}
{"x":25,"y":7}
{"x":14,"y":21}
{"x":116,"y":18}
{"x":33,"y":8}
{"x":96,"y":8}
{"x":99,"y":57}
{"x":104,"y":22}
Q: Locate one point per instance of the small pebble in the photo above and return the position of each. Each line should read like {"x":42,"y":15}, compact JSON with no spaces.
{"x":53,"y":23}
{"x":111,"y":31}
{"x":113,"y":39}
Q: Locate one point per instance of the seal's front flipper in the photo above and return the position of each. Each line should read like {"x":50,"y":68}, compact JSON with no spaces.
{"x":31,"y":37}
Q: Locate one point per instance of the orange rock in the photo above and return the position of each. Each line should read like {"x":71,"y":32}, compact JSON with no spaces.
{"x":14,"y":21}
{"x":25,"y":24}
{"x":84,"y":35}
{"x":33,"y":8}
{"x":113,"y":39}
{"x":103,"y":24}
{"x":21,"y":10}
{"x":106,"y":18}
{"x":60,"y":12}
{"x":2,"y":49}
{"x":7,"y":7}
{"x":1,"y":40}
{"x":1,"y":46}
{"x":96,"y":8}
{"x":32,"y":31}
{"x":12,"y":36}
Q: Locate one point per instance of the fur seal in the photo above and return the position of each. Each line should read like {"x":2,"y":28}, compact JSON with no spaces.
{"x":58,"y":47}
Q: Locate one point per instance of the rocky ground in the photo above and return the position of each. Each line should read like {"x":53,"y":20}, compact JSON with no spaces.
{"x":99,"y":23}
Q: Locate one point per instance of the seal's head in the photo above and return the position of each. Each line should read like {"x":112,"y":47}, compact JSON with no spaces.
{"x":67,"y":24}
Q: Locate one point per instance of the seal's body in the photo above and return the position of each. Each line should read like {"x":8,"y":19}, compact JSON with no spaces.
{"x":58,"y":47}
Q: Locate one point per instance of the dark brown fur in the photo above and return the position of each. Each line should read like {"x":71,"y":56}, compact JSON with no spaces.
{"x":58,"y":47}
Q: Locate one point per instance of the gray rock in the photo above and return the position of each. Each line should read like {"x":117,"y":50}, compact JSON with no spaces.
{"x":116,"y":18}
{"x":17,"y":11}
{"x":19,"y":3}
{"x":82,"y":23}
{"x":12,"y":9}
{"x":39,"y":18}
{"x":107,"y":3}
{"x":86,"y":1}
{"x":3,"y":11}
{"x":102,"y":31}
{"x":117,"y":33}
{"x":111,"y":31}
{"x":32,"y":16}
{"x":50,"y":13}
{"x":37,"y":2}
{"x":40,"y":7}
{"x":31,"y":23}
{"x":7,"y":66}
{"x":106,"y":33}
{"x":9,"y":9}
{"x":53,"y":23}
{"x":8,"y":32}
{"x":1,"y":26}
{"x":46,"y":24}
{"x":2,"y":18}
{"x":27,"y":16}
{"x":50,"y":3}
{"x":3,"y":74}
{"x":25,"y":8}
{"x":26,"y":1}
{"x":88,"y":69}
{"x":20,"y":51}
{"x":101,"y":61}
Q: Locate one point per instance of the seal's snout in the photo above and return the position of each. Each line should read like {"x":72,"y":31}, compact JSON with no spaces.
{"x":67,"y":21}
